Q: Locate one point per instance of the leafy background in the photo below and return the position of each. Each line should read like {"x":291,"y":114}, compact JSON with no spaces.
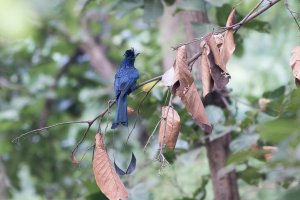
{"x":38,"y":38}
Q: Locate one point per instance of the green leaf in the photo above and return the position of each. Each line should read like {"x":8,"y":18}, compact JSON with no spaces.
{"x":239,"y":45}
{"x":197,"y":5}
{"x":153,"y":9}
{"x":242,"y":156}
{"x":251,"y":175}
{"x":259,"y":26}
{"x":278,"y":130}
{"x":275,"y":107}
{"x":274,"y":94}
{"x":294,"y":102}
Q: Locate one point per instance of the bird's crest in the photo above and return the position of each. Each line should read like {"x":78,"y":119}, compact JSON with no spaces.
{"x":130,"y":53}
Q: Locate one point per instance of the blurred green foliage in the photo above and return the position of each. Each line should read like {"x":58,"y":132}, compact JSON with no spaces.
{"x":38,"y":38}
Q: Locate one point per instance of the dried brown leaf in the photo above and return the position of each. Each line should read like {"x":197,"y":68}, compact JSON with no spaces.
{"x":106,"y":177}
{"x":218,"y":71}
{"x":195,"y":107}
{"x":186,"y":89}
{"x":295,"y":62}
{"x":219,"y":77}
{"x":207,"y":82}
{"x":169,"y":127}
{"x":216,"y":53}
{"x":228,"y":46}
{"x":183,"y":77}
{"x":231,"y":18}
{"x":168,"y":77}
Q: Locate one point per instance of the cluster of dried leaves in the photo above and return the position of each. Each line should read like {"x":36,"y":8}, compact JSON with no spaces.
{"x":216,"y":52}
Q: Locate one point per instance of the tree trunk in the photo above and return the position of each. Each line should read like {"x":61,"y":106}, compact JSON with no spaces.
{"x":225,"y":187}
{"x":2,"y":181}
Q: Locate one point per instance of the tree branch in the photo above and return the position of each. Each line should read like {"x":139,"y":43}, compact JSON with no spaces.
{"x":292,"y":13}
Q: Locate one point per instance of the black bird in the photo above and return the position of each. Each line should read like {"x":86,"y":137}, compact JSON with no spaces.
{"x":125,"y":83}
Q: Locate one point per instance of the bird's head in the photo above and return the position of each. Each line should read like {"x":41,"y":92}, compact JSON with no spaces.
{"x":131,"y":54}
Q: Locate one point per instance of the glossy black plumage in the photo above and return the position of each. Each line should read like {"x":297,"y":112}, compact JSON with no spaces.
{"x":125,"y":82}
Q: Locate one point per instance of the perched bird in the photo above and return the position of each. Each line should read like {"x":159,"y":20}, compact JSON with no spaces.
{"x":125,"y":83}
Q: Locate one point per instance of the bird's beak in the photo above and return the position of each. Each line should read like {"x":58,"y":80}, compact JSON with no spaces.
{"x":136,"y":55}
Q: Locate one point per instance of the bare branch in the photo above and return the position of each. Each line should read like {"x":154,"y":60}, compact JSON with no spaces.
{"x":292,"y":13}
{"x":249,"y":17}
{"x":139,"y":109}
{"x":48,"y":127}
{"x":148,"y":141}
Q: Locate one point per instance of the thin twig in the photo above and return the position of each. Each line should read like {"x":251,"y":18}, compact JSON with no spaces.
{"x":190,"y":42}
{"x":250,"y":16}
{"x":292,"y":13}
{"x":250,"y":13}
{"x":92,"y":146}
{"x":158,"y":78}
{"x":139,"y":109}
{"x":48,"y":127}
{"x":160,"y":157}
{"x":165,"y":121}
{"x":260,"y":11}
{"x":148,"y":141}
{"x":236,"y":26}
{"x":100,"y":116}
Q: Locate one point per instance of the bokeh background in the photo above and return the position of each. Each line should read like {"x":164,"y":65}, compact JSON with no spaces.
{"x":57,"y":64}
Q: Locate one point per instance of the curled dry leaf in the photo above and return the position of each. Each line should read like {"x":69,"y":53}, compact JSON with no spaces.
{"x":216,"y":53}
{"x":183,"y":78}
{"x":207,"y":82}
{"x":295,"y":63}
{"x":218,"y":70}
{"x":220,"y":78}
{"x":185,"y":88}
{"x":169,"y":127}
{"x":228,"y":46}
{"x":106,"y":177}
{"x":194,"y":106}
{"x":168,"y":77}
{"x":221,"y":49}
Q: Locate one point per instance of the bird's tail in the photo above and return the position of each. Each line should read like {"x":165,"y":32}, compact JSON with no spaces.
{"x":121,"y":112}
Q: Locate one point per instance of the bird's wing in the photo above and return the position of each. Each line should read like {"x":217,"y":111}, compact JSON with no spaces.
{"x":116,"y":87}
{"x":126,"y":84}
